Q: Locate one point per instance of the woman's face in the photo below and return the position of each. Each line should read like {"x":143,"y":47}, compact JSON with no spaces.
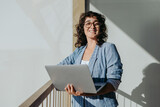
{"x":91,"y":27}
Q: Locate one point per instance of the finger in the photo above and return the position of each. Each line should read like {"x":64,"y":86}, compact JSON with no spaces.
{"x":72,"y":89}
{"x":74,"y":92}
{"x":69,"y":88}
{"x":77,"y":92}
{"x":66,"y":89}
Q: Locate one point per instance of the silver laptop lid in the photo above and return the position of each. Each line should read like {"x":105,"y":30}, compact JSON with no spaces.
{"x":78,"y":75}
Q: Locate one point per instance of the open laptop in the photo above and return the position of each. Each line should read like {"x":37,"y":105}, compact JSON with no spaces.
{"x":78,"y":75}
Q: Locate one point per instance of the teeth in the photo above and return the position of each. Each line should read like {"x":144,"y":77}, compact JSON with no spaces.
{"x":91,"y":31}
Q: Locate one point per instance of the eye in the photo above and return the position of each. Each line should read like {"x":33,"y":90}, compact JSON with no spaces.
{"x":88,"y":23}
{"x":96,"y":23}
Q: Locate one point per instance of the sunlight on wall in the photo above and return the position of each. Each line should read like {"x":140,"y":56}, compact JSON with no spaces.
{"x":33,"y":34}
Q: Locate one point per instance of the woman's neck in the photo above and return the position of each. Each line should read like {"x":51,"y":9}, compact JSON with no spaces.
{"x":91,"y":44}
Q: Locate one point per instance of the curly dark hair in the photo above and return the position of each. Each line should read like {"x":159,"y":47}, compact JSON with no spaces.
{"x":81,"y":37}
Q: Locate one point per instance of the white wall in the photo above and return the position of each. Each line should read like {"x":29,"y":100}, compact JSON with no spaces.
{"x":134,"y":26}
{"x":33,"y":33}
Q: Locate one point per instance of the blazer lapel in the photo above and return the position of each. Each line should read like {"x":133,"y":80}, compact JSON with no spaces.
{"x":93,"y":59}
{"x":79,"y":58}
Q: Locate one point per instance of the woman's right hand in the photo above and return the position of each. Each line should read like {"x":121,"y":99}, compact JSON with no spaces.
{"x":70,"y":90}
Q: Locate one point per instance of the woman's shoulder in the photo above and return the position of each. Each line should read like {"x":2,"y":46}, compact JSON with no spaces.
{"x":107,"y":45}
{"x":79,"y":49}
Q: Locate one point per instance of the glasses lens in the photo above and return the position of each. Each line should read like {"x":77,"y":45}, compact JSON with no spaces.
{"x":89,"y":24}
{"x":96,"y":24}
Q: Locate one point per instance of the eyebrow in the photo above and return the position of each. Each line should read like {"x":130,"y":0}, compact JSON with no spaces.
{"x":90,"y":21}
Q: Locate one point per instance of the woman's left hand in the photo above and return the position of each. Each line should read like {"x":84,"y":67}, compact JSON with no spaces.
{"x":70,"y":89}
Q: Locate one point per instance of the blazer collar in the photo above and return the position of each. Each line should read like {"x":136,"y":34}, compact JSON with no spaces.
{"x":92,"y":59}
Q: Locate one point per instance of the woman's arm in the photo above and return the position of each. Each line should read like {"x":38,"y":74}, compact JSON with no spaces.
{"x":70,"y":59}
{"x":112,"y":85}
{"x":106,"y":89}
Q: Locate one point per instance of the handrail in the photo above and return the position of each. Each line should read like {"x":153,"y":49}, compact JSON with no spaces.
{"x":37,"y":98}
{"x":62,"y":99}
{"x":130,"y":98}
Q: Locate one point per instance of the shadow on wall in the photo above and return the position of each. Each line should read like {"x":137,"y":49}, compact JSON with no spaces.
{"x":138,"y":19}
{"x":147,"y":93}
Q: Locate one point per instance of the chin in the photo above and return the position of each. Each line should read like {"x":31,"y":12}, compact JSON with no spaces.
{"x":92,"y":37}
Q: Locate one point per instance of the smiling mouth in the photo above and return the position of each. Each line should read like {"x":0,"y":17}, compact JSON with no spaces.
{"x":92,"y":31}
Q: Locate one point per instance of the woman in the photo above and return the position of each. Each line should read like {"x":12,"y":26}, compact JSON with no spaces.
{"x":102,"y":59}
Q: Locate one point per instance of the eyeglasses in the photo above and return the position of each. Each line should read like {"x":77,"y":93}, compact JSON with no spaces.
{"x":89,"y":24}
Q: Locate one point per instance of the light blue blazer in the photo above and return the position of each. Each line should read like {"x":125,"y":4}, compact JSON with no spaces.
{"x":105,"y":63}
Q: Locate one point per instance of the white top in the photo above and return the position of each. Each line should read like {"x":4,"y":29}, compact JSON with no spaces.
{"x":84,"y":62}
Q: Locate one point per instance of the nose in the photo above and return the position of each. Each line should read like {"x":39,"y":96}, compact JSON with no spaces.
{"x":92,"y":25}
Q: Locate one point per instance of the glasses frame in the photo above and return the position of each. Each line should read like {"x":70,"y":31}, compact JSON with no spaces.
{"x":95,"y":24}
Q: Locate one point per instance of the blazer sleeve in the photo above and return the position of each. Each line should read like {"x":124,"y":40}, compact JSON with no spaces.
{"x":70,"y":59}
{"x":114,"y":65}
